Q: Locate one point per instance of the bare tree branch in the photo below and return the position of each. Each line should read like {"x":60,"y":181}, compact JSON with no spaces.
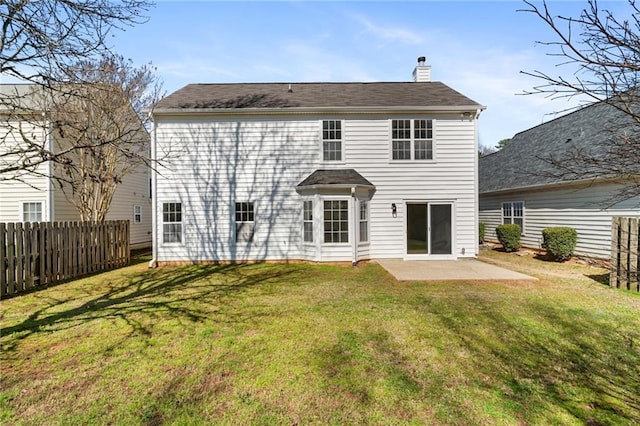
{"x":603,"y":53}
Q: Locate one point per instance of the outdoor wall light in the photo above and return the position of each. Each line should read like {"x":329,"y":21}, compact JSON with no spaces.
{"x":394,"y":210}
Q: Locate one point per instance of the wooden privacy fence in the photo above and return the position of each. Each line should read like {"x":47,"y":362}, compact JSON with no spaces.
{"x":39,"y":254}
{"x":625,"y":249}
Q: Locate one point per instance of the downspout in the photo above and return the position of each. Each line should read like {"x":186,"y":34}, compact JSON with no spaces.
{"x":476,"y":201}
{"x":154,"y":199}
{"x":354,"y":260}
{"x":49,"y":147}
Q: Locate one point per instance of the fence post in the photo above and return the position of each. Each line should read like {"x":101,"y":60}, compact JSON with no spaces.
{"x":4,"y":266}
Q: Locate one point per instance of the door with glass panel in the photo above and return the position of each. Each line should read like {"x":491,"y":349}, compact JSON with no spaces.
{"x":429,"y":228}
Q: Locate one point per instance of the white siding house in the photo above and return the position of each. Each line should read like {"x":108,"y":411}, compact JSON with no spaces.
{"x":315,"y":171}
{"x":523,"y":184}
{"x":36,"y":196}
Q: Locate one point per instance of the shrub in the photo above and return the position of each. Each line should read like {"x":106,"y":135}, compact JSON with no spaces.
{"x":481,"y":232}
{"x":509,"y":236}
{"x":560,"y":242}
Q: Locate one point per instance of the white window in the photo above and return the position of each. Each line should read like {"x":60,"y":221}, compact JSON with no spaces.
{"x":307,"y":221}
{"x":172,"y":222}
{"x":412,"y":139}
{"x":336,"y":221}
{"x":332,"y":140}
{"x":32,"y":211}
{"x":244,"y":221}
{"x":137,"y":214}
{"x":364,"y":221}
{"x":513,"y":212}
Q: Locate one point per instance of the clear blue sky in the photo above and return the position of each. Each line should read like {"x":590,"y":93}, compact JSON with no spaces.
{"x":477,"y":48}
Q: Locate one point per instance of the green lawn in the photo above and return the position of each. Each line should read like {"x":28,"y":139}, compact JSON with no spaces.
{"x":322,"y":344}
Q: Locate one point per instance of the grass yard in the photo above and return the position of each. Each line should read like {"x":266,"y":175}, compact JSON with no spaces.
{"x":322,"y":344}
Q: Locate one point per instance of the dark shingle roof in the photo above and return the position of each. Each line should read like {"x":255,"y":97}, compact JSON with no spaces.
{"x":314,"y":95}
{"x":524,"y":162}
{"x":335,"y":177}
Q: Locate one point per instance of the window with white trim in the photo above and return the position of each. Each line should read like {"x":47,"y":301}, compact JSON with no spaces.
{"x":32,"y":211}
{"x":245,"y":221}
{"x":172,"y":222}
{"x":331,"y":140}
{"x":307,"y":221}
{"x":364,"y":221}
{"x":336,"y":221}
{"x":137,"y":214}
{"x":412,"y":139}
{"x":513,"y":212}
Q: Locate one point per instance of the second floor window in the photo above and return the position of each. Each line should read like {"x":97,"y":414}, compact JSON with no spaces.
{"x":332,"y":140}
{"x":412,"y":139}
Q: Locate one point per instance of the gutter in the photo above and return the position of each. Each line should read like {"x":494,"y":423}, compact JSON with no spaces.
{"x":153,"y":263}
{"x":453,"y":109}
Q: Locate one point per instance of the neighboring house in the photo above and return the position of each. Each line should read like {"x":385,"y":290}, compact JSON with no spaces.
{"x":315,"y":171}
{"x":36,"y":196}
{"x":519,"y":184}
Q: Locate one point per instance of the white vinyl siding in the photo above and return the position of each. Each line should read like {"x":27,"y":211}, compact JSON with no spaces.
{"x":212,"y":162}
{"x":586,"y":209}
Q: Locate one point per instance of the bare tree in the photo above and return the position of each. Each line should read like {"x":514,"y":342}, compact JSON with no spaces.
{"x":102,"y":115}
{"x":603,"y":53}
{"x":38,"y":39}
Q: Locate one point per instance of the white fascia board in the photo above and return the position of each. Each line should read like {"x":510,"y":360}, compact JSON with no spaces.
{"x":319,"y":110}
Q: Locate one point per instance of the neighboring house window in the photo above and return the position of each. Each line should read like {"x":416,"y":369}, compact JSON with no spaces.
{"x":364,"y":221}
{"x":332,"y":140}
{"x":513,"y":212}
{"x":244,"y":222}
{"x":172,"y":222}
{"x":307,"y":221}
{"x":412,"y":139}
{"x":32,"y":211}
{"x":137,"y":214}
{"x":336,"y":221}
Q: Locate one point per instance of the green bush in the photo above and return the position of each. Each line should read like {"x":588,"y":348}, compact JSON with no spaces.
{"x":560,"y":242}
{"x":481,"y":232}
{"x":509,"y":236}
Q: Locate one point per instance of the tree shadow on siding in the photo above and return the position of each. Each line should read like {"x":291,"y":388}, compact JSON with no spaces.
{"x":224,"y":163}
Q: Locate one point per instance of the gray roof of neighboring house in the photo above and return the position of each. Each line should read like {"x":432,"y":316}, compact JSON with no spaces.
{"x":524,"y":161}
{"x":314,"y":95}
{"x":335,"y":177}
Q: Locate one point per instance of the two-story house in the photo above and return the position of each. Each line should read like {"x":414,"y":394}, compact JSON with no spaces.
{"x":34,"y":194}
{"x":315,"y":171}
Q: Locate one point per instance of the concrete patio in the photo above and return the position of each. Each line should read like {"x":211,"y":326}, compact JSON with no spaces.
{"x":448,"y":270}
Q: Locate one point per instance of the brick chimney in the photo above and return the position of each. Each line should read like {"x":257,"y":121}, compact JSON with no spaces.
{"x":422,"y":72}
